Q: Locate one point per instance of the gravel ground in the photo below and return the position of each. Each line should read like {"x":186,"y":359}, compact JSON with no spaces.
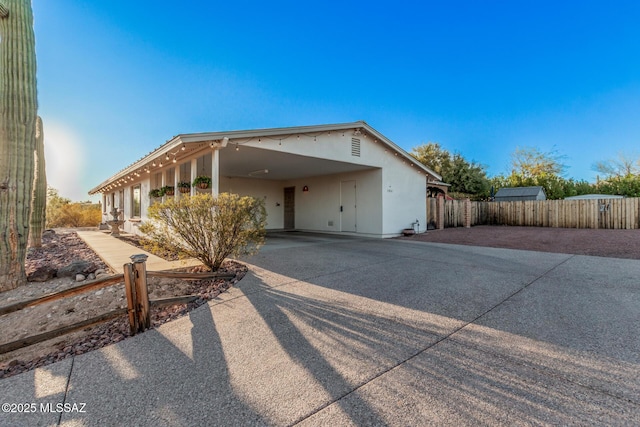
{"x":59,"y":249}
{"x":604,"y":243}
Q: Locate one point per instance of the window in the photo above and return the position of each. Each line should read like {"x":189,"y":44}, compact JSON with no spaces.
{"x":135,"y":202}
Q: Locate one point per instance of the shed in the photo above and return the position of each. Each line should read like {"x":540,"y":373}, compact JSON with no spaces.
{"x":520,"y":193}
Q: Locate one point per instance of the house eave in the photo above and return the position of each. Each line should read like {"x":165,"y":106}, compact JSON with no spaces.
{"x":210,"y":138}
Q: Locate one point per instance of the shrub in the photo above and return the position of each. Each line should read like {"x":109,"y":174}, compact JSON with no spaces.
{"x":208,"y":228}
{"x":74,"y":215}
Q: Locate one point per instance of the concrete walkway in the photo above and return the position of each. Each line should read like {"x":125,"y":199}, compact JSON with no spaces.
{"x":345,"y":331}
{"x":115,"y":253}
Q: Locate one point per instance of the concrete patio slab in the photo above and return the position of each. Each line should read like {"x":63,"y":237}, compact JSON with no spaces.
{"x":348,"y":331}
{"x":39,"y":392}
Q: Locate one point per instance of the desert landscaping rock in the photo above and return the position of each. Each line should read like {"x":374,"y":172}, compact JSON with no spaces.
{"x":42,"y":273}
{"x":77,"y":267}
{"x":62,"y":247}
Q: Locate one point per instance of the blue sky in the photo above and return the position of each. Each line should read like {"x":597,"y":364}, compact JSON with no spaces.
{"x":118,"y":78}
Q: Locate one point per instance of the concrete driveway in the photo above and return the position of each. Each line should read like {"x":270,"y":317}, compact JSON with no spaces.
{"x":343,"y":331}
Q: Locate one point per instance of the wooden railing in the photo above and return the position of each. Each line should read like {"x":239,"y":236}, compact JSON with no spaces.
{"x":138,"y":303}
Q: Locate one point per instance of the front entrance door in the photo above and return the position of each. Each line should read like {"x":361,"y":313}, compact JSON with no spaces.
{"x":290,"y":208}
{"x":348,"y":206}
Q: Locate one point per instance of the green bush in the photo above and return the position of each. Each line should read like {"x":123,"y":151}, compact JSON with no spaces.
{"x":62,"y":213}
{"x":208,"y":228}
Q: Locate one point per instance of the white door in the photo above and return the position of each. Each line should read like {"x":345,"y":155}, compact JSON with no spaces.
{"x":348,"y":206}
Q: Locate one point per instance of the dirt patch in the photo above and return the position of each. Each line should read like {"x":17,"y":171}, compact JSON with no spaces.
{"x":60,"y":249}
{"x":604,"y":243}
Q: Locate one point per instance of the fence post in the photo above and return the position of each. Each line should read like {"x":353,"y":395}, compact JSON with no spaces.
{"x":440,"y":213}
{"x":130,"y":290}
{"x":467,"y":213}
{"x":142,"y":294}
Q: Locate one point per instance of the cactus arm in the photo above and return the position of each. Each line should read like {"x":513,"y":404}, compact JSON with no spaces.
{"x":4,"y":12}
{"x":39,"y":198}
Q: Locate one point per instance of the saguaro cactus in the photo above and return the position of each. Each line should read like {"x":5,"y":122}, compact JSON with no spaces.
{"x":18,"y":112}
{"x":39,"y":200}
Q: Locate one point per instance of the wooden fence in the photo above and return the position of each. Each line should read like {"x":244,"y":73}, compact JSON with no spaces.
{"x":593,"y":213}
{"x":138,"y":303}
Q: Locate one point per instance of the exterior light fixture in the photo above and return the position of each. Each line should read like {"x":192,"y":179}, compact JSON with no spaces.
{"x":305,"y":189}
{"x":183,"y":147}
{"x":166,"y":157}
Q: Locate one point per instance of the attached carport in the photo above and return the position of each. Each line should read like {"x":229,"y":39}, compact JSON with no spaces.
{"x":298,"y":190}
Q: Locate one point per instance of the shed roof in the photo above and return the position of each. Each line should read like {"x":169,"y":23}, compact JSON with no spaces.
{"x":519,"y":191}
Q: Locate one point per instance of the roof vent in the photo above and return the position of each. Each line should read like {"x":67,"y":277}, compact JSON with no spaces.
{"x":355,"y":147}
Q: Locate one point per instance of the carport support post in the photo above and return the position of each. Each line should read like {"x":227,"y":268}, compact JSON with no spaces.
{"x":215,"y":172}
{"x":194,"y":174}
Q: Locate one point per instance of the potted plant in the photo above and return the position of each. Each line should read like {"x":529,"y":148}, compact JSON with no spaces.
{"x":168,"y":190}
{"x":184,"y":187}
{"x":203,"y":182}
{"x":156,"y":192}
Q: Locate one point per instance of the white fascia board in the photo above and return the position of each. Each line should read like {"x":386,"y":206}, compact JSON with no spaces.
{"x":241,"y":134}
{"x":210,"y":137}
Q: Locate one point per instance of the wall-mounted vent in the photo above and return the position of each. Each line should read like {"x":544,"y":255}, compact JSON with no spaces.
{"x":355,"y":147}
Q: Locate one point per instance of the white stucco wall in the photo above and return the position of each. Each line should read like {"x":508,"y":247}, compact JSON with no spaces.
{"x":404,"y":200}
{"x":270,"y":191}
{"x":319,"y":208}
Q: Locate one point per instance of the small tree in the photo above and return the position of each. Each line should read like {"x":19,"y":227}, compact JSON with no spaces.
{"x":208,"y":228}
{"x":530,"y":162}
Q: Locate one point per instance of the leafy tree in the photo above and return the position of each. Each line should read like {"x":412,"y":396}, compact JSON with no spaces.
{"x":530,"y":162}
{"x":628,"y":185}
{"x":208,"y":228}
{"x":433,"y":156}
{"x":467,"y":179}
{"x":18,"y":112}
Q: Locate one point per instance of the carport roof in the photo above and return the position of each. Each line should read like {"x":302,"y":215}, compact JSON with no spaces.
{"x":192,"y":142}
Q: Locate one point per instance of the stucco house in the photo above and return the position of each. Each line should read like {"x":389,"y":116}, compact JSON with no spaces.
{"x":340,"y":178}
